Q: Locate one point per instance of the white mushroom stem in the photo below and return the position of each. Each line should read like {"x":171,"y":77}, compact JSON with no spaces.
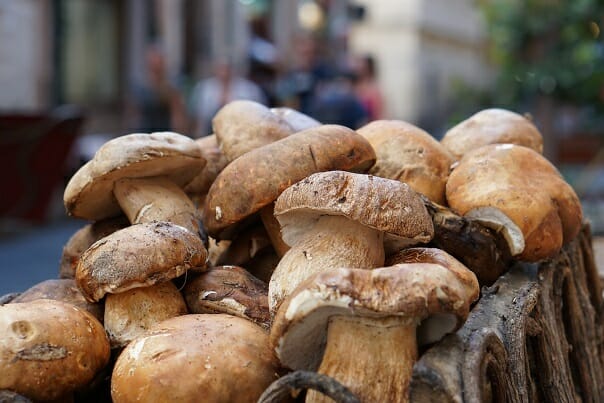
{"x":373,"y":357}
{"x":156,"y":199}
{"x":334,"y":241}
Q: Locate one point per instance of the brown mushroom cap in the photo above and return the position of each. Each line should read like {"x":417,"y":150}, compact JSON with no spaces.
{"x":138,"y":256}
{"x":83,"y":238}
{"x":65,"y":290}
{"x":258,"y":178}
{"x":231,"y":290}
{"x":297,"y":120}
{"x":130,"y":313}
{"x":516,"y":190}
{"x":193,"y":358}
{"x":383,"y":204}
{"x":241,"y":126}
{"x":89,"y":193}
{"x":49,"y":348}
{"x":411,"y":291}
{"x":409,"y":154}
{"x":492,"y":126}
{"x":215,"y":162}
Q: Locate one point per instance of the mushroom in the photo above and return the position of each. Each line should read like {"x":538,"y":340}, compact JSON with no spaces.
{"x":130,"y":313}
{"x":49,"y":348}
{"x":215,"y":162}
{"x":65,"y":290}
{"x":138,"y":256}
{"x":257,"y":178}
{"x":241,"y":126}
{"x":409,"y":154}
{"x":231,"y":290}
{"x":297,"y":120}
{"x":515,"y":190}
{"x":193,"y":358}
{"x":492,"y":126}
{"x":143,"y":174}
{"x":359,"y":326}
{"x":83,"y":238}
{"x":342,"y":219}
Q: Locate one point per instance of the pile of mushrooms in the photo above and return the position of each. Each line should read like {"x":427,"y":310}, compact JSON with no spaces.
{"x":209,"y":268}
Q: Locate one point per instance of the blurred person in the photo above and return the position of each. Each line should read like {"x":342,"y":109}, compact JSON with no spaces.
{"x":157,"y":104}
{"x":367,"y":88}
{"x":211,"y":94}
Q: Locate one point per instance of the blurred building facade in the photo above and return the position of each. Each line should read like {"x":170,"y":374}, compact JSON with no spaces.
{"x":90,"y":53}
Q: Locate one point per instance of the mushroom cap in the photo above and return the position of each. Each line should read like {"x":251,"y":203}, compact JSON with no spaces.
{"x":215,"y":162}
{"x":192,"y":358}
{"x":257,"y":178}
{"x":49,"y":348}
{"x":89,"y":193}
{"x":492,"y":126}
{"x":138,"y":256}
{"x":409,"y":154}
{"x":130,"y":313}
{"x":515,"y":189}
{"x":241,"y":126}
{"x":412,"y":291}
{"x":83,"y":238}
{"x":383,"y":204}
{"x":297,"y":120}
{"x":65,"y":290}
{"x":231,"y":290}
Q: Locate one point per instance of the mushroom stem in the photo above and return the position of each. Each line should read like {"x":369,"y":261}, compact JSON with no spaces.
{"x":374,"y":357}
{"x":334,"y":241}
{"x":156,"y":199}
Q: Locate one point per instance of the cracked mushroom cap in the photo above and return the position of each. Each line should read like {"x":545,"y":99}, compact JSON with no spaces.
{"x":492,"y":126}
{"x":413,"y":292}
{"x":138,"y":256}
{"x":194,"y":358}
{"x":409,"y":154}
{"x":89,"y":193}
{"x":231,"y":290}
{"x":383,"y":204}
{"x":243,"y":125}
{"x":516,"y":190}
{"x":257,"y":178}
{"x":49,"y":348}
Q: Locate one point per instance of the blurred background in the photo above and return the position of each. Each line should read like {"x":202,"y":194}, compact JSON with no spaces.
{"x":76,"y":73}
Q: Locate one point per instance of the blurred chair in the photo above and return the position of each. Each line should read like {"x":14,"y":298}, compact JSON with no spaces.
{"x":33,"y":155}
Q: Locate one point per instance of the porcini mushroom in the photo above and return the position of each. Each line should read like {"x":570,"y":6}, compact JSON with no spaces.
{"x":297,"y":120}
{"x":409,"y":154}
{"x":366,"y":320}
{"x":215,"y":162}
{"x":342,"y":219}
{"x":138,"y":256}
{"x":515,"y":190}
{"x":195,"y":358}
{"x":49,"y":348}
{"x":141,"y":174}
{"x":492,"y":126}
{"x":241,"y":126}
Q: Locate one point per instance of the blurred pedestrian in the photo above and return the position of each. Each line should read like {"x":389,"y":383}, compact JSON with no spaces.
{"x":157,"y":103}
{"x":367,"y":88}
{"x":211,"y":94}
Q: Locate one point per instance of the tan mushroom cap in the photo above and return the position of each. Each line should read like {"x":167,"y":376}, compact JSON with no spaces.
{"x":492,"y":126}
{"x":231,"y":290}
{"x":89,"y":193}
{"x":138,"y":256}
{"x":193,"y":358}
{"x":257,"y":178}
{"x":130,"y":313}
{"x":49,"y":348}
{"x":516,"y":190}
{"x":383,"y":204}
{"x":215,"y":162}
{"x":297,"y":120}
{"x":65,"y":290}
{"x":409,"y":154}
{"x":412,"y":291}
{"x":243,"y":125}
